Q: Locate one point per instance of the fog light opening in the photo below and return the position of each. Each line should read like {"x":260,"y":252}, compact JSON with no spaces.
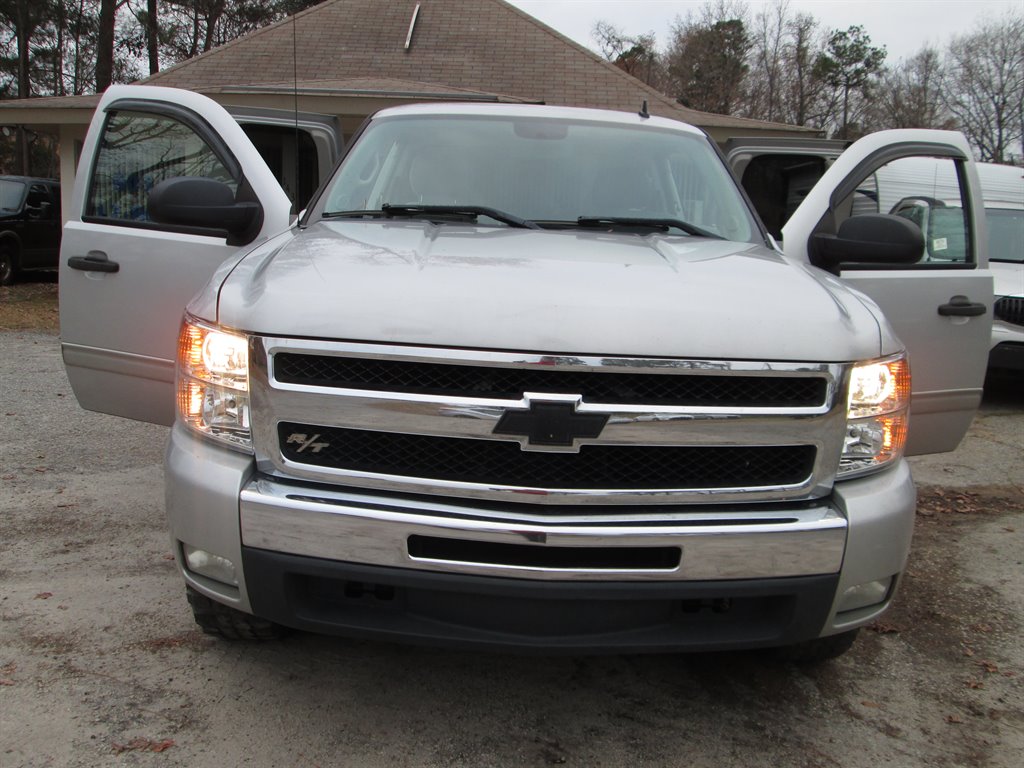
{"x":212,"y":566}
{"x":866,"y":595}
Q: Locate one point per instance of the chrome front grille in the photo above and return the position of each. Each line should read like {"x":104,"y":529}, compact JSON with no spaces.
{"x":623,"y":387}
{"x":449,"y":423}
{"x":501,"y":463}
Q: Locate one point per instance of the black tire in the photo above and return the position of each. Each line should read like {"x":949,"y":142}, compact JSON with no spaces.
{"x":8,"y":265}
{"x":229,"y":623}
{"x":818,"y":650}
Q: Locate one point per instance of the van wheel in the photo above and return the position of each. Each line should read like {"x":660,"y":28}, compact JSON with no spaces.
{"x":817,"y":650}
{"x":229,"y":623}
{"x":8,"y":265}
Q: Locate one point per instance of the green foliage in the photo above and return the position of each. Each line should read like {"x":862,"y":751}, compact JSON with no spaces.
{"x":707,"y":63}
{"x":848,"y":66}
{"x":849,"y":60}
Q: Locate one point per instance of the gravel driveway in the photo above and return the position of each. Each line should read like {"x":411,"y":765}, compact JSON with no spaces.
{"x":100,"y":663}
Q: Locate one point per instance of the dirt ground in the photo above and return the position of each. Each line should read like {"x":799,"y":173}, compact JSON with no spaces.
{"x":101,"y":664}
{"x":30,"y":305}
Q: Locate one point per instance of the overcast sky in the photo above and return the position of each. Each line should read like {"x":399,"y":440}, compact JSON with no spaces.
{"x":902,"y":26}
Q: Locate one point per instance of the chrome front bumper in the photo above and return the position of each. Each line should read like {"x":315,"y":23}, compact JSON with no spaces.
{"x":356,"y":527}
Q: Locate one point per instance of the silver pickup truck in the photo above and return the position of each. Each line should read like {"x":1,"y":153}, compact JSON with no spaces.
{"x":520,"y":376}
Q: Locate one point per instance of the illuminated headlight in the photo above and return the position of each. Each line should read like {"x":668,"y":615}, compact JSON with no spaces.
{"x":876,"y":422}
{"x":213,"y":383}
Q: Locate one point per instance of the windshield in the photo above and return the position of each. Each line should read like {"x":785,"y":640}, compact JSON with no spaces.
{"x":11,"y":193}
{"x":550,"y":171}
{"x":1005,"y":234}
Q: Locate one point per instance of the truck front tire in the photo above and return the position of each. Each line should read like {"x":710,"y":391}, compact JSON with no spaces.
{"x":229,"y":623}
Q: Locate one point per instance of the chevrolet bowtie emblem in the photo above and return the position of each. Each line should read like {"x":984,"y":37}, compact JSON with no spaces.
{"x":551,"y":424}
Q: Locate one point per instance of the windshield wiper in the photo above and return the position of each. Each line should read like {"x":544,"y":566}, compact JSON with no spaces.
{"x":640,"y":221}
{"x":351,"y":214}
{"x":426,"y":211}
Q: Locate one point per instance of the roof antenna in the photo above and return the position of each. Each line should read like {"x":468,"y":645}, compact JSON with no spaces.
{"x":643,"y":110}
{"x":295,"y":96}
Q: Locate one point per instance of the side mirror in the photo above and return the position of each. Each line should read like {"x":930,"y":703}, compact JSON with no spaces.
{"x":195,"y":201}
{"x":873,"y":238}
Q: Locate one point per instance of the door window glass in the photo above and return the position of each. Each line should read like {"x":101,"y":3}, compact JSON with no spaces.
{"x":11,"y":193}
{"x":929,"y":192}
{"x":137,"y":152}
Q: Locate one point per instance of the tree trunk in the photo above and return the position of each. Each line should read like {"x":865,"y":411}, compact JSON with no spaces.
{"x":212,"y":17}
{"x":105,"y":45}
{"x":194,"y":50}
{"x":152,"y":37}
{"x":26,"y":26}
{"x":845,"y":131}
{"x":76,"y":82}
{"x":58,"y":54}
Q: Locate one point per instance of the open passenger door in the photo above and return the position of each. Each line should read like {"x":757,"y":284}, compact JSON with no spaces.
{"x":941,"y":305}
{"x":126,"y":279}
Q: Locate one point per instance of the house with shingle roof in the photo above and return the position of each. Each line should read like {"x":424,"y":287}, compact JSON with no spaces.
{"x":350,"y":58}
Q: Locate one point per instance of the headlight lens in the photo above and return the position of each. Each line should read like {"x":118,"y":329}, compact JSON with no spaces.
{"x":876,"y":425}
{"x":213,"y":383}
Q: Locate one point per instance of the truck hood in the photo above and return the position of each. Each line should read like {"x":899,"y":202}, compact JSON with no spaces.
{"x":568,"y":292}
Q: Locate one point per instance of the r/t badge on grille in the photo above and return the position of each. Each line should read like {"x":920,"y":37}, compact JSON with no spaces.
{"x":304,"y":441}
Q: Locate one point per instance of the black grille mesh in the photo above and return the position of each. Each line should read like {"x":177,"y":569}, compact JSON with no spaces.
{"x":1010,"y":309}
{"x":504,"y":463}
{"x":510,"y":383}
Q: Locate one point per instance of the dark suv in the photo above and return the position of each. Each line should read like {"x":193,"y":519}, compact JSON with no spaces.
{"x":29,"y":225}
